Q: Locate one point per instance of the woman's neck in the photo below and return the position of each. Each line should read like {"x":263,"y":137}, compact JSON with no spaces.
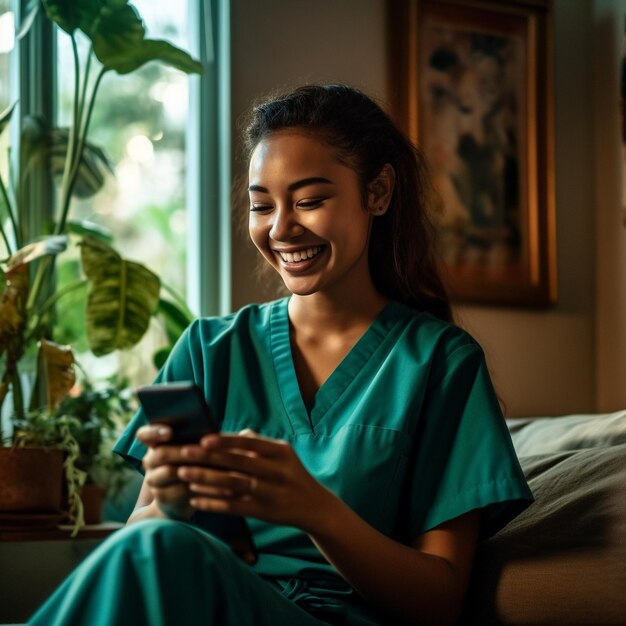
{"x":319,"y":312}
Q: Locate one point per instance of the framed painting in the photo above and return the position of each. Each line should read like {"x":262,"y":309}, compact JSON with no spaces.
{"x":470,"y":83}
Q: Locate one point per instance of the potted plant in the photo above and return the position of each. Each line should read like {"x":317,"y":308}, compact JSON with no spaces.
{"x":36,"y":373}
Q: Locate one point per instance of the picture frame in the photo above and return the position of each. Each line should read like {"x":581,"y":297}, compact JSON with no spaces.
{"x":471,"y":86}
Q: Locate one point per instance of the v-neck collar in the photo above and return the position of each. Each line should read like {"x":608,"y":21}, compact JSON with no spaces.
{"x":341,"y":377}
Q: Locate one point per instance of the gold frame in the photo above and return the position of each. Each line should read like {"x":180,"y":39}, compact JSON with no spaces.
{"x":524,"y":274}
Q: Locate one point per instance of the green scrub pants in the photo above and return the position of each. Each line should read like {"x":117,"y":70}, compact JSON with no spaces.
{"x":167,"y":573}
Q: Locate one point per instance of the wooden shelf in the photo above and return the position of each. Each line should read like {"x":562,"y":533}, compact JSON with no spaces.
{"x":61,"y":532}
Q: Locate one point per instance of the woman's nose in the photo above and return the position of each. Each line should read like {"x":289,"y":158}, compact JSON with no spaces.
{"x":285,"y":225}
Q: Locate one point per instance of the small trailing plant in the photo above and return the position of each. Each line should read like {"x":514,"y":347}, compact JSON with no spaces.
{"x":97,"y":415}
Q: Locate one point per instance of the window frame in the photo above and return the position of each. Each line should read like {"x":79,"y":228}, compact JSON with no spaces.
{"x":209,"y":157}
{"x":33,"y":82}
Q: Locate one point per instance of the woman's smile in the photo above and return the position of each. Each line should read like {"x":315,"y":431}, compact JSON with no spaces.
{"x":301,"y":259}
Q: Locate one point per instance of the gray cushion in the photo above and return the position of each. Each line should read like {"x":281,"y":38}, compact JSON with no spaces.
{"x":545,"y":435}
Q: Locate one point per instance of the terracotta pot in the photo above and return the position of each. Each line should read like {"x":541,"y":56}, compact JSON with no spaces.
{"x":31,"y":480}
{"x":93,"y":498}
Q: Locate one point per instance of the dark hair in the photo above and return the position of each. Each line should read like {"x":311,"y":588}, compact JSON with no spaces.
{"x":401,"y":256}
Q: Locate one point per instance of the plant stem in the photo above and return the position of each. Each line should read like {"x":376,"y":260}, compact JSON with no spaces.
{"x":33,"y":294}
{"x":12,"y":376}
{"x":6,"y":241}
{"x":67,"y":193}
{"x":83,"y":95}
{"x":70,"y":155}
{"x":5,"y":197}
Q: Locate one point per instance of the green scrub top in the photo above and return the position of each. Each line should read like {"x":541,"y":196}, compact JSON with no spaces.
{"x":407,"y":430}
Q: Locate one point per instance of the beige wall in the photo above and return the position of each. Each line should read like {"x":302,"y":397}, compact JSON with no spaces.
{"x":287,"y":42}
{"x":552,"y":362}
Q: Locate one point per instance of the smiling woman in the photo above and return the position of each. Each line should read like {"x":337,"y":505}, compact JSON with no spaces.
{"x":360,"y":434}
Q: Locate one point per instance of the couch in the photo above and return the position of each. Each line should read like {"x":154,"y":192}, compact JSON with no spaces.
{"x":562,"y":561}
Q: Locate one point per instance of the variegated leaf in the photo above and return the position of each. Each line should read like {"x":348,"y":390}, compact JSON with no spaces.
{"x":123,"y":296}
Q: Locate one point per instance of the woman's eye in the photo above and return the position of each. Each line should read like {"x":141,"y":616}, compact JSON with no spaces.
{"x":259,"y":207}
{"x":311,"y":204}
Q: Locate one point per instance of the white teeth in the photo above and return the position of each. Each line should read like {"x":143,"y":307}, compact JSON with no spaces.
{"x":300,"y":255}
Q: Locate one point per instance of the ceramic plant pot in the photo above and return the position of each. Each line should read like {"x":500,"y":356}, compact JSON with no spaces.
{"x":31,"y":480}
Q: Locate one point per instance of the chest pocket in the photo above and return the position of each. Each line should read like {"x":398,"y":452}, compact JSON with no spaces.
{"x":364,"y":465}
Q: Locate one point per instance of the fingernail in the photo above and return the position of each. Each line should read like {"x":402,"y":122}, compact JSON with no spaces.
{"x":162,"y":432}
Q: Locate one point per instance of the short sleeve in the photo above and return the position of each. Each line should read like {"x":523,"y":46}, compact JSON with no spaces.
{"x":179,"y":366}
{"x":464,"y":458}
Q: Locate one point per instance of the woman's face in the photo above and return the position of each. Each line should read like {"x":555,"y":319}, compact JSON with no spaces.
{"x":307,"y":216}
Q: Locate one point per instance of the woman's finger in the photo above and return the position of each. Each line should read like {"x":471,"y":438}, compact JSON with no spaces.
{"x":154,"y":434}
{"x":163,"y":455}
{"x":203,"y":479}
{"x":240,"y":461}
{"x":162,"y":476}
{"x":252,"y":502}
{"x":249,"y":441}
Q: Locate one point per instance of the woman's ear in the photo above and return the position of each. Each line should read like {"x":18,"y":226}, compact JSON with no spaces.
{"x":380,"y":190}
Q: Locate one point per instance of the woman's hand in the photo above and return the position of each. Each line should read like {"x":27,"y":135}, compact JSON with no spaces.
{"x":254,"y":476}
{"x":161,"y":463}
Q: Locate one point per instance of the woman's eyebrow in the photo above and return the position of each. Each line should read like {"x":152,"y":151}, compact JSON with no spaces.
{"x":313,"y":180}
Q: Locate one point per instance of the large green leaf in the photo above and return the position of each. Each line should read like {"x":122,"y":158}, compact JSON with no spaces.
{"x":123,"y":295}
{"x":118,"y":38}
{"x":130,"y":58}
{"x":72,"y":14}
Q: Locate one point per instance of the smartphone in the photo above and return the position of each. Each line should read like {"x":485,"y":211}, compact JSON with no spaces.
{"x":182,"y":407}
